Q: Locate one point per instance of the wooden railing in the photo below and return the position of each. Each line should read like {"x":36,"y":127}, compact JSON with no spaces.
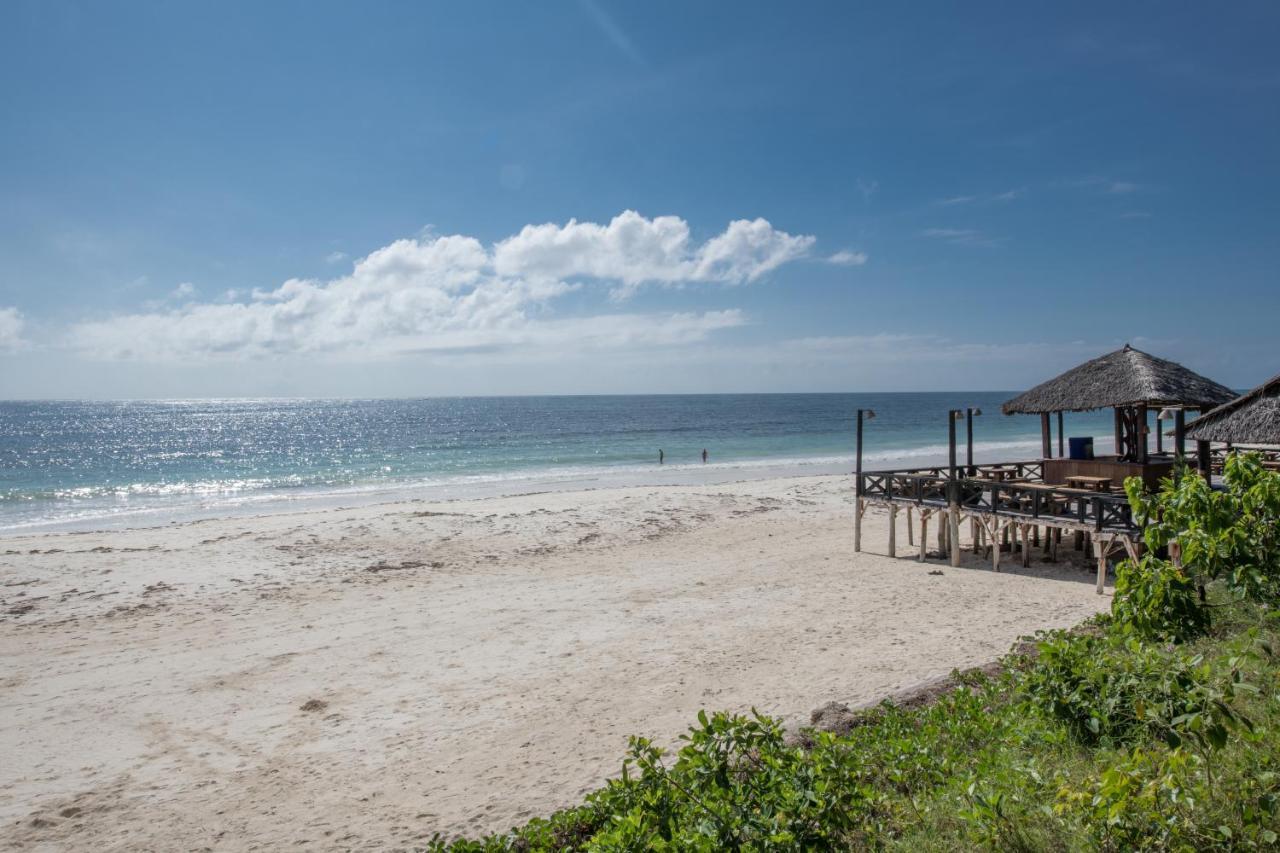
{"x":1022,"y":496}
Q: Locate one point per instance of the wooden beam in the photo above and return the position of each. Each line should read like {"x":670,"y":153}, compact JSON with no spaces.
{"x":859,"y":507}
{"x":1119,"y":433}
{"x":1102,"y":546}
{"x":924,"y":533}
{"x":893,"y":530}
{"x":1139,"y":431}
{"x":953,"y":533}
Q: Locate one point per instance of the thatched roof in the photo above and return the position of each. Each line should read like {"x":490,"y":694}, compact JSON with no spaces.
{"x":1250,"y":419}
{"x":1126,"y":377}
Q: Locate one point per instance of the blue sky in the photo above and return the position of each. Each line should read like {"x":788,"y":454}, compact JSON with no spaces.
{"x":409,"y":199}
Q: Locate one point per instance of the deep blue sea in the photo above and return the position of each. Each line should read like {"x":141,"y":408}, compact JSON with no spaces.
{"x":109,"y":464}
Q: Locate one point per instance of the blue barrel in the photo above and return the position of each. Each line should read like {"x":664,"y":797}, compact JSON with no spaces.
{"x":1081,"y":448}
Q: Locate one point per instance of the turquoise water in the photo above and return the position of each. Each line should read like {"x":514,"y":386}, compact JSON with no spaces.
{"x":91,"y":464}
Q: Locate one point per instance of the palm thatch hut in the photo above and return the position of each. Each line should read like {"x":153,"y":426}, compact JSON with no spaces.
{"x":1250,"y":419}
{"x":1131,"y":382}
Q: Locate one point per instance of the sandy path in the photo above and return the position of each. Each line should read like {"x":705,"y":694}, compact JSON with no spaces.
{"x":472,"y":664}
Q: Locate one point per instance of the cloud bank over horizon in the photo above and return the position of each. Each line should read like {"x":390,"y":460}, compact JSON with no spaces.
{"x":450,"y":294}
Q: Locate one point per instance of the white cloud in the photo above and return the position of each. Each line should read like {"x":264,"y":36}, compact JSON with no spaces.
{"x":451,"y":294}
{"x":11,"y":325}
{"x":335,"y":257}
{"x":962,"y":237}
{"x":847,"y":258}
{"x":634,"y":250}
{"x":956,"y":200}
{"x":185,"y":290}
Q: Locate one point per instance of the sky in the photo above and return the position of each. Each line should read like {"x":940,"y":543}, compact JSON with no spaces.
{"x":419,"y":199}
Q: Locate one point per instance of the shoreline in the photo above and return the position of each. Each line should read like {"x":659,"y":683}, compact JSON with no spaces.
{"x":380,"y":673}
{"x":472,"y":487}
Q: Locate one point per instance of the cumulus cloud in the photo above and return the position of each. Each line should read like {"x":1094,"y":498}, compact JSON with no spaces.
{"x":11,"y":325}
{"x":453,"y":294}
{"x":847,"y":258}
{"x":633,"y":251}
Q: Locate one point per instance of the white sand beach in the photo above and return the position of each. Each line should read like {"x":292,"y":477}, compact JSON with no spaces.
{"x":351,"y":678}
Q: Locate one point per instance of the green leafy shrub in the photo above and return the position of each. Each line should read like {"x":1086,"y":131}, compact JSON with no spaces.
{"x":1154,"y":599}
{"x":1110,"y":691}
{"x":1230,"y":534}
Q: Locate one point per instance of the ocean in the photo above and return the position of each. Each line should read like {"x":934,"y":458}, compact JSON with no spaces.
{"x":88,"y":465}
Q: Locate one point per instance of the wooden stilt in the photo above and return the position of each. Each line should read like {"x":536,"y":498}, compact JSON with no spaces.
{"x":893,"y":530}
{"x":924,"y":534}
{"x":995,"y":544}
{"x":859,"y":507}
{"x":953,"y":533}
{"x":1026,"y":552}
{"x":910,"y":536}
{"x":1102,"y":548}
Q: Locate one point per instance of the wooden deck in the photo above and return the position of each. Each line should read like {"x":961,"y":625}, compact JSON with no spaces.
{"x":1003,"y":501}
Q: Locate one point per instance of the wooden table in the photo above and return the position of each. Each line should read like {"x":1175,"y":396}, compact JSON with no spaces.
{"x":1092,"y":484}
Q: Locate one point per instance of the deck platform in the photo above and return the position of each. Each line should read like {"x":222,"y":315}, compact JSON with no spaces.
{"x":1007,"y":501}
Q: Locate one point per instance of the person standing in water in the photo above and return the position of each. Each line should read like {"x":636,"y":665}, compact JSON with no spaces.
{"x":704,"y":456}
{"x":659,"y":456}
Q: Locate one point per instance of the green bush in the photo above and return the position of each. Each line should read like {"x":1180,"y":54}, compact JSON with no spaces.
{"x":1112,"y":690}
{"x":1156,"y":600}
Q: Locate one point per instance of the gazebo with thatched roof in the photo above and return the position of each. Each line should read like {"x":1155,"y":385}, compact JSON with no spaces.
{"x":1131,"y":382}
{"x":1250,"y":419}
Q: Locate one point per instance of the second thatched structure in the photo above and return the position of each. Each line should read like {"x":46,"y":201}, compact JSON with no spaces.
{"x":1250,"y":419}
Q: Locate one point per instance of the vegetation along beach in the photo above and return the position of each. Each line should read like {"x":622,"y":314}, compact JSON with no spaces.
{"x":599,"y":426}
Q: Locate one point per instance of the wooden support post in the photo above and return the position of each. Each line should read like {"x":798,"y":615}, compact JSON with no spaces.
{"x":975,"y":533}
{"x":924,"y":534}
{"x":910,"y":536}
{"x":1078,"y":540}
{"x":1026,"y":552}
{"x":859,"y":507}
{"x":1102,"y":547}
{"x":1062,"y":452}
{"x":1203,"y":456}
{"x":1180,"y":433}
{"x":1119,"y":433}
{"x":1140,"y":432}
{"x":893,"y":530}
{"x":1046,"y":441}
{"x":1035,"y":535}
{"x":1159,"y":434}
{"x":995,"y":544}
{"x":953,"y":533}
